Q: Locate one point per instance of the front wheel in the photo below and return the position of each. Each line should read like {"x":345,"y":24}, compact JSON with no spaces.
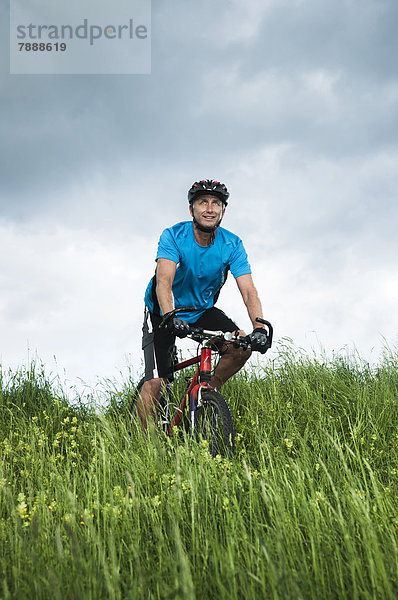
{"x":214,"y":424}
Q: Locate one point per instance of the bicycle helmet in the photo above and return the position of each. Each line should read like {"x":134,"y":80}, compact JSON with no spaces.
{"x":208,"y":186}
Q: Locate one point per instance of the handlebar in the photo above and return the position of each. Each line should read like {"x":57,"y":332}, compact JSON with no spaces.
{"x":200,"y":335}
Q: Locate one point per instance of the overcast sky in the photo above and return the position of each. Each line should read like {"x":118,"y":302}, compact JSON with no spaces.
{"x":292,"y":103}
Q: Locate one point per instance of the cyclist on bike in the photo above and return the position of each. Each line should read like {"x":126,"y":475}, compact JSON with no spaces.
{"x":193,"y":260}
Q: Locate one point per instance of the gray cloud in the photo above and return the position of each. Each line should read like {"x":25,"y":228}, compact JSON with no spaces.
{"x":356,"y":37}
{"x":224,"y":80}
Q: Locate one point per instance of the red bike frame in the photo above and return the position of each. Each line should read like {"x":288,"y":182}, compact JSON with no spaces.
{"x":199,"y":380}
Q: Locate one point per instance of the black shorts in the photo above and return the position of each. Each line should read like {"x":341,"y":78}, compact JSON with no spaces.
{"x":159,"y":345}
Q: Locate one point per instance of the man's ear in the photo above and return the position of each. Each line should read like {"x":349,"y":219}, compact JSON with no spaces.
{"x":190,"y":209}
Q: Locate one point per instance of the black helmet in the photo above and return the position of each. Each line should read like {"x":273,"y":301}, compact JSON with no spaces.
{"x":208,"y":186}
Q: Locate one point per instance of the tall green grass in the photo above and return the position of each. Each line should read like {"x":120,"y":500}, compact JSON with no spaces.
{"x":307,"y":508}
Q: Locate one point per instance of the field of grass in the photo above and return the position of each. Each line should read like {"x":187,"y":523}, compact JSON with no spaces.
{"x":308,"y":507}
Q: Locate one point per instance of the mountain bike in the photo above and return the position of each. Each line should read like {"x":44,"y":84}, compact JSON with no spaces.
{"x":203,"y":413}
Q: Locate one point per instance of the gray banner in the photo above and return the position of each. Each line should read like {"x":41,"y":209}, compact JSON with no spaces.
{"x":80,"y":37}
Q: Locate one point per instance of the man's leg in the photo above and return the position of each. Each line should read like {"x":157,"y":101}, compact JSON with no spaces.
{"x":231,"y":361}
{"x":158,"y":346}
{"x":148,"y":400}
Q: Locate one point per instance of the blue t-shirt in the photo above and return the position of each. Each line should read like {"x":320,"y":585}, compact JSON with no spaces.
{"x":201,"y":270}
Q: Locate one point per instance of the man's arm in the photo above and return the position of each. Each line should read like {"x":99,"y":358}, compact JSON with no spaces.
{"x":250,"y":298}
{"x":165,"y":273}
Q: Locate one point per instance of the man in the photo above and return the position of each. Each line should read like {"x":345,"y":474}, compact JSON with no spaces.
{"x":193,"y":261}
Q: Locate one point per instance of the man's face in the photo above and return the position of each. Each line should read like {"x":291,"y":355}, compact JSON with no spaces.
{"x":208,"y":210}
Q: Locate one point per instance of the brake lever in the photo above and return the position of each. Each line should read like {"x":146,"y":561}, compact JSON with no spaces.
{"x":241,"y":342}
{"x":195,"y":334}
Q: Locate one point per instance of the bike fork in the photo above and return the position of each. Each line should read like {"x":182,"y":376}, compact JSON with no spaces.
{"x":204,"y":376}
{"x":215,"y":426}
{"x":192,"y":412}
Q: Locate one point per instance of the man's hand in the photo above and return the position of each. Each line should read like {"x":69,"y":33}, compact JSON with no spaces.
{"x":177,"y":326}
{"x":258,"y":340}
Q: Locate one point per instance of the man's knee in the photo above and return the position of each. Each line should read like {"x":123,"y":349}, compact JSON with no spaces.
{"x":237,"y":355}
{"x":152,"y":387}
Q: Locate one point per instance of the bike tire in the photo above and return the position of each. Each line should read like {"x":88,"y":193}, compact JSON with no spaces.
{"x":214,"y":424}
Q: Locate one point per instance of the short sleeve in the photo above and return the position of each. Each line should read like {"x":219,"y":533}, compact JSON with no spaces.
{"x":239,"y":264}
{"x":167,"y":247}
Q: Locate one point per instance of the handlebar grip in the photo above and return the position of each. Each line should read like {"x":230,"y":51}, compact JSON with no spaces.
{"x":270,"y":330}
